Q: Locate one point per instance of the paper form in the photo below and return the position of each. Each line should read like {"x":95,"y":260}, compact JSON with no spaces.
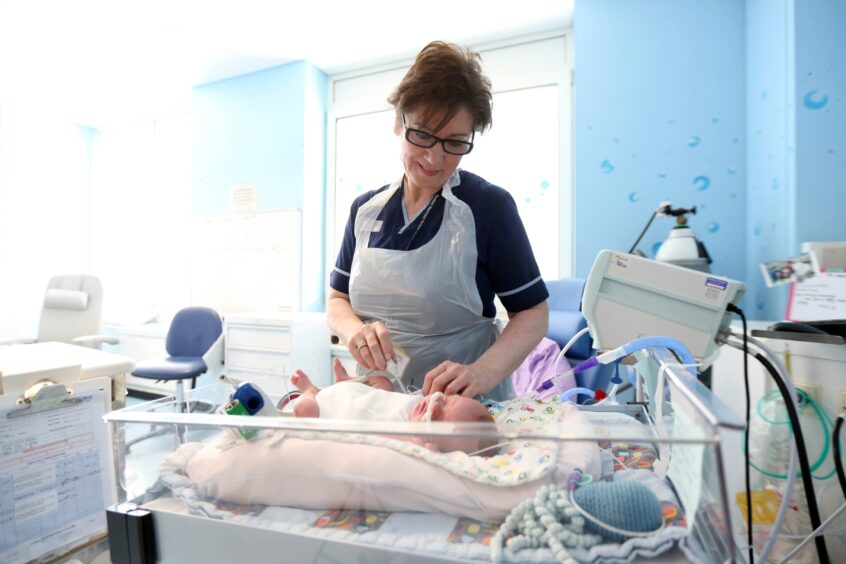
{"x":55,"y":480}
{"x":821,"y":298}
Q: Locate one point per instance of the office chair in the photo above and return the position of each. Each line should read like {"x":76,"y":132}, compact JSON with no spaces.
{"x":192,"y":333}
{"x":565,"y":320}
{"x":72,"y":311}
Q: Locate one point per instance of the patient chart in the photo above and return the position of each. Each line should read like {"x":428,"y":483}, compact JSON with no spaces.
{"x":55,"y":478}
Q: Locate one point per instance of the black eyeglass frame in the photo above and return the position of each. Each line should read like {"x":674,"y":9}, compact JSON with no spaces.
{"x":436,"y":140}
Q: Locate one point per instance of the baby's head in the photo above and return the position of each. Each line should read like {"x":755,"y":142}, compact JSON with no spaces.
{"x":440,"y":407}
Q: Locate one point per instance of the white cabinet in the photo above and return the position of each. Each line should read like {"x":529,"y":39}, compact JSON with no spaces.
{"x":275,"y":344}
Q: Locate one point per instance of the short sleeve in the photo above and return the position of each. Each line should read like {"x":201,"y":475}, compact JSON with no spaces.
{"x":515,"y":276}
{"x":339,"y":278}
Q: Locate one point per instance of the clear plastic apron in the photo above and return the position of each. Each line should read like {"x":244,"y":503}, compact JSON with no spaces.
{"x":426,"y":297}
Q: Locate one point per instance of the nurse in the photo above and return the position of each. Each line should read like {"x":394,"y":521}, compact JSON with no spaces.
{"x":422,"y":258}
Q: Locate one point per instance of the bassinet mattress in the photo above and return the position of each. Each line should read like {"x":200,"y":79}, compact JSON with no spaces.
{"x":440,"y":534}
{"x":356,"y":472}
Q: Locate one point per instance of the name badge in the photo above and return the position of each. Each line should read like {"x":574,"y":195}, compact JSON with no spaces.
{"x":377,"y":227}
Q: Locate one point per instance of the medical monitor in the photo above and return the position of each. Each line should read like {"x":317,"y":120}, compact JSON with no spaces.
{"x":627,"y":297}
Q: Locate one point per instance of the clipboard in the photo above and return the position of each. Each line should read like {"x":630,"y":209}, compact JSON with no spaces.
{"x":56,"y":454}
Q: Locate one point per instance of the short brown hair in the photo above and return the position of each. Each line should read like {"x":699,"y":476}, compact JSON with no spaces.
{"x":447,"y":77}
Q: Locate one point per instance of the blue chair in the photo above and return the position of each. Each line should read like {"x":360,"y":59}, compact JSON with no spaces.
{"x":565,"y":320}
{"x":193,"y":331}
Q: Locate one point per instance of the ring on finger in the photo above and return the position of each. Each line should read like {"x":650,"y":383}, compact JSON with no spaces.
{"x":364,"y":346}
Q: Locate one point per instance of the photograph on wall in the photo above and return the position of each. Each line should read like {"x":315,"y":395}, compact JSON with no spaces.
{"x":789,"y":270}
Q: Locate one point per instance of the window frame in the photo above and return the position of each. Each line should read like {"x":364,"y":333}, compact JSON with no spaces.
{"x":511,"y":65}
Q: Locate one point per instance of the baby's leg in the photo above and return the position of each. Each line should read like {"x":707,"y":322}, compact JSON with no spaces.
{"x":306,"y":404}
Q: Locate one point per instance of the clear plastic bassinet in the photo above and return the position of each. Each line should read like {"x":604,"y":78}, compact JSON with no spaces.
{"x":592,"y":483}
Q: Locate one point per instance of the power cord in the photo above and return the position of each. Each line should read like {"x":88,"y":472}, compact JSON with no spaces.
{"x":749,"y":535}
{"x":804,"y":464}
{"x":838,"y":461}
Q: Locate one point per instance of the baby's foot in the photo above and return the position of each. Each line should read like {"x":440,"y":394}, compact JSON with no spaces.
{"x":306,"y":406}
{"x":303,"y":383}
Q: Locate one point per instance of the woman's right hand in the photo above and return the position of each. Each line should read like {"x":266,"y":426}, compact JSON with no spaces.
{"x":371,"y":346}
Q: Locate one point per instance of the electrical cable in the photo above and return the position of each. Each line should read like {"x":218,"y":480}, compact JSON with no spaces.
{"x":838,"y":461}
{"x":805,"y":467}
{"x":749,"y":535}
{"x":794,"y":454}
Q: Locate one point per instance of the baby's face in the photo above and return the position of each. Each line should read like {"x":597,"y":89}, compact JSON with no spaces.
{"x":440,"y":407}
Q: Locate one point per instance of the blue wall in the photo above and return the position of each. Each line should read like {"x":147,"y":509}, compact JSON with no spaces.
{"x":314,"y":280}
{"x":267,"y":129}
{"x":249,"y":130}
{"x":659,"y":115}
{"x":770,"y":129}
{"x":820,"y":120}
{"x":735,"y":107}
{"x":796,"y":53}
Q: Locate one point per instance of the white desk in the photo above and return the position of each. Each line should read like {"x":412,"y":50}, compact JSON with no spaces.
{"x":19,"y":360}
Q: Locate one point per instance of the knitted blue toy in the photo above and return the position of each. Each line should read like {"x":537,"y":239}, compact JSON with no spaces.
{"x":626,"y":505}
{"x":560,"y":518}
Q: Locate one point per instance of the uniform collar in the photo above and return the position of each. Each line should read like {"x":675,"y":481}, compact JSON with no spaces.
{"x":453,"y":181}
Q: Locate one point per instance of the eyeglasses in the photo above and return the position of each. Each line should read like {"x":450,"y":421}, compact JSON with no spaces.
{"x":427,"y":140}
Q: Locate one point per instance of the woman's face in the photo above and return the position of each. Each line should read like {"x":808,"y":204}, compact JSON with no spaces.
{"x":429,"y":169}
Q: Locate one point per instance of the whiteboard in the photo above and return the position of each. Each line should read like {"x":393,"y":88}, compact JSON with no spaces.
{"x":247,"y":262}
{"x":820,"y":298}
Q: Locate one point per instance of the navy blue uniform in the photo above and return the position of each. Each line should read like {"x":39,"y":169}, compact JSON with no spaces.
{"x":506,"y":265}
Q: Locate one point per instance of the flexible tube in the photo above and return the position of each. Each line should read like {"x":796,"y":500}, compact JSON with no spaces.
{"x":660,"y":342}
{"x":815,"y":535}
{"x":566,"y":348}
{"x":804,"y":465}
{"x":749,"y":520}
{"x":612,"y":393}
{"x":794,"y":453}
{"x":576,"y":391}
{"x":555,"y":380}
{"x":825,"y":422}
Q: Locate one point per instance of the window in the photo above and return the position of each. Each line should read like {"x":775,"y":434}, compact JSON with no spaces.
{"x":141,"y":211}
{"x":43,"y":209}
{"x":527,"y":151}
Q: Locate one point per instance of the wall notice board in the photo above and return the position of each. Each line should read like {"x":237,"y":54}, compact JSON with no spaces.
{"x":820,"y":298}
{"x":247,"y":262}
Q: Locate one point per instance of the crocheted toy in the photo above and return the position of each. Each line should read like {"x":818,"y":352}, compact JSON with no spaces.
{"x":579,"y":518}
{"x":626,"y":505}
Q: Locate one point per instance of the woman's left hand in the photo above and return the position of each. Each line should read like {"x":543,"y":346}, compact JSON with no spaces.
{"x":453,"y":378}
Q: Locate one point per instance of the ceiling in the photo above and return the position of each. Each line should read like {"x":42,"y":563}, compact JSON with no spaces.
{"x":105,"y":62}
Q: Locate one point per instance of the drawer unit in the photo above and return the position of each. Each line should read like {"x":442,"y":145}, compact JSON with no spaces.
{"x":264,"y":346}
{"x":263,"y":360}
{"x":275,"y":338}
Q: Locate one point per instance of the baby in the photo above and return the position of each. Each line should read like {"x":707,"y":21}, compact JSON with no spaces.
{"x":376,"y":400}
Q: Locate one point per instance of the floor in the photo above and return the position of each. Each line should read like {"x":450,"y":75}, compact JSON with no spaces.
{"x":141,"y":460}
{"x":140,"y":472}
